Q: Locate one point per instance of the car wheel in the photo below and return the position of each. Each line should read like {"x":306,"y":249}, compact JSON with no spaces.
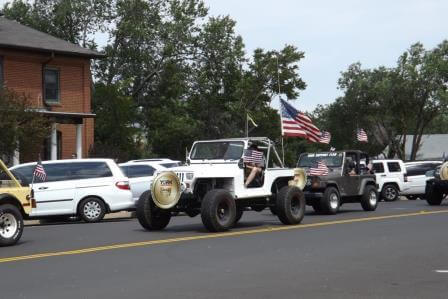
{"x":92,"y":209}
{"x":433,"y":196}
{"x":290,"y":205}
{"x":11,"y":225}
{"x":369,"y":199}
{"x":218,"y":210}
{"x":149,"y":215}
{"x":390,"y":193}
{"x":330,"y":202}
{"x":239,"y":214}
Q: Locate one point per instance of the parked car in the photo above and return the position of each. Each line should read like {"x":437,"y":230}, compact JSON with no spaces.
{"x":88,"y":188}
{"x":390,"y":176}
{"x":415,"y":182}
{"x":140,"y":173}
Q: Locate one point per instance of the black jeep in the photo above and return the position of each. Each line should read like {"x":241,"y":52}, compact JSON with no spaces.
{"x":437,"y":187}
{"x":348,"y":180}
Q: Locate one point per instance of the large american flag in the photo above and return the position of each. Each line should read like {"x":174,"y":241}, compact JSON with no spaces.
{"x":39,"y":171}
{"x":253,"y":156}
{"x":325,"y":137}
{"x":361,"y":135}
{"x":297,"y":124}
{"x":321,"y":169}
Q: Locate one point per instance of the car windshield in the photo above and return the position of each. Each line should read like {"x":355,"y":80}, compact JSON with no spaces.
{"x":331,"y":159}
{"x":227,"y":150}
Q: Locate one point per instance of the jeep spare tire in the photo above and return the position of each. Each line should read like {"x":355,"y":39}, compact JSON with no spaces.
{"x":369,"y":199}
{"x":290,"y":206}
{"x":11,"y":225}
{"x":149,"y":215}
{"x":218,"y":210}
{"x":165,"y":190}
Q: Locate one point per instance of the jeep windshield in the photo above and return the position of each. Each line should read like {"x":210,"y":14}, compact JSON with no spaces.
{"x":6,"y":181}
{"x":219,"y":150}
{"x":331,"y":159}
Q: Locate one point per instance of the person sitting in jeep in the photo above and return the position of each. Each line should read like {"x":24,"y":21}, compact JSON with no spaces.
{"x":253,"y":160}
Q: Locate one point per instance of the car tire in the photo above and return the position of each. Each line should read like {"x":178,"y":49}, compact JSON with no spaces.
{"x":433,"y":196}
{"x":290,"y":205}
{"x":239,"y":214}
{"x":92,"y":209}
{"x":11,"y":225}
{"x":369,"y":199}
{"x":149,"y":215}
{"x":218,"y":210}
{"x":331,"y":201}
{"x":390,"y":192}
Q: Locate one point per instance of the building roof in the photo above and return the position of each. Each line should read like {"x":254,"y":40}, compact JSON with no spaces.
{"x":17,"y":36}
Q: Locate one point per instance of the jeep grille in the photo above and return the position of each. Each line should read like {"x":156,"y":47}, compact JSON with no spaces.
{"x":181,"y":176}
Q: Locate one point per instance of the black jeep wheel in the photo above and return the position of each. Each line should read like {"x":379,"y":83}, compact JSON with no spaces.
{"x":11,"y":225}
{"x":433,"y":196}
{"x":390,"y":192}
{"x":330,"y":202}
{"x":369,"y":199}
{"x":149,"y":215}
{"x":290,"y":205}
{"x":218,"y":210}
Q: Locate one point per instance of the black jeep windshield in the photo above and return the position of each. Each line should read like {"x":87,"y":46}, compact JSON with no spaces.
{"x":331,"y":159}
{"x":227,"y":150}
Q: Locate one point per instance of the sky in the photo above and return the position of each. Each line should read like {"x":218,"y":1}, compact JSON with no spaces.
{"x":334,"y":34}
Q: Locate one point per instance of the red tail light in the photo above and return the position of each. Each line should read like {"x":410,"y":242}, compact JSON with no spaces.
{"x":123,"y":185}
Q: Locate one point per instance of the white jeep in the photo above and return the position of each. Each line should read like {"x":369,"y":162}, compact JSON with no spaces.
{"x":213,"y":185}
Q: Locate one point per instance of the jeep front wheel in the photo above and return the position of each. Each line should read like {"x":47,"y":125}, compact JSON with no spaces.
{"x":218,"y":210}
{"x":369,"y":199}
{"x":330,"y":202}
{"x":11,"y":225}
{"x":290,"y":205}
{"x":149,"y":215}
{"x":433,"y":196}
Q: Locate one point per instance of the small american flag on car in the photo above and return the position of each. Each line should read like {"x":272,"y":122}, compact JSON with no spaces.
{"x":325,"y":137}
{"x":253,"y":156}
{"x":321,"y":169}
{"x":39,"y":171}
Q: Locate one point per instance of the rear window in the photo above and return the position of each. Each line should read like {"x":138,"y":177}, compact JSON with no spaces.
{"x":76,"y":171}
{"x":393,"y":166}
{"x":378,"y":167}
{"x":135,"y":171}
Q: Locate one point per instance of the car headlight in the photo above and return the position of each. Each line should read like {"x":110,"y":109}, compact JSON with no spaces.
{"x":189,"y":176}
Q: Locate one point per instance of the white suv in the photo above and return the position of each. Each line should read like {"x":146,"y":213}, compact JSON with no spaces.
{"x":390,"y":177}
{"x":140,"y":173}
{"x":88,"y":188}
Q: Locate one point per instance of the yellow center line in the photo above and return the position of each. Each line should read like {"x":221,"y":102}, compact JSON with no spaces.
{"x":210,"y":236}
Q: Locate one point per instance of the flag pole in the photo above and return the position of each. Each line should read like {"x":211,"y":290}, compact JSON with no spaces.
{"x":247,"y":125}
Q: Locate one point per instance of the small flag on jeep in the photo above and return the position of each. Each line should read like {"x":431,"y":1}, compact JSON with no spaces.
{"x":253,"y":156}
{"x":39,"y":171}
{"x":321,"y":169}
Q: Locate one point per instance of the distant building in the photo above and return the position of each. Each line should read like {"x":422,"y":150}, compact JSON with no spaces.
{"x":433,"y":147}
{"x":55,"y":75}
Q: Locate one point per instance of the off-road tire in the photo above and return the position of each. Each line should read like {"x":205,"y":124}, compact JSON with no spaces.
{"x":149,"y":215}
{"x":290,"y":205}
{"x":11,"y":225}
{"x":369,"y":199}
{"x":390,"y":192}
{"x":331,"y":201}
{"x":239,"y":214}
{"x":218,"y":210}
{"x":433,"y":196}
{"x":92,"y":209}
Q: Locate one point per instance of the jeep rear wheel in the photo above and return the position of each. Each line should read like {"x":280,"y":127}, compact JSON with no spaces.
{"x":369,"y":199}
{"x":330,"y":202}
{"x":218,"y":210}
{"x":149,"y":215}
{"x":11,"y":225}
{"x":290,"y":205}
{"x":390,"y":193}
{"x":433,"y":196}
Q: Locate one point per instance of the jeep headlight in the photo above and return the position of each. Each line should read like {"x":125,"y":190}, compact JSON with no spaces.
{"x":189,"y":176}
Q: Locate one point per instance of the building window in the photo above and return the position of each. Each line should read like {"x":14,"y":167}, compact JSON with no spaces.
{"x":51,"y":86}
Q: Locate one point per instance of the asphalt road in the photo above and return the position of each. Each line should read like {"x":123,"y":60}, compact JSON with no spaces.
{"x":398,"y":251}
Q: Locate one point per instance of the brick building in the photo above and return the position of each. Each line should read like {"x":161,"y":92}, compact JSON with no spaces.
{"x":55,"y":76}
